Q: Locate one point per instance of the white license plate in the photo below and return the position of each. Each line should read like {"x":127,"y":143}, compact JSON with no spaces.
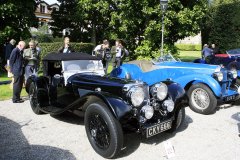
{"x":151,"y":131}
{"x":229,"y":98}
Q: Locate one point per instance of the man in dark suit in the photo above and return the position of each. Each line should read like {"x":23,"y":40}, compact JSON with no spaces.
{"x":118,"y":54}
{"x":9,"y":49}
{"x":66,"y":48}
{"x":16,"y":66}
{"x":214,"y":49}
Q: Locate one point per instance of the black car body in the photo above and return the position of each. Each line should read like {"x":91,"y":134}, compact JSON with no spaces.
{"x":111,"y":106}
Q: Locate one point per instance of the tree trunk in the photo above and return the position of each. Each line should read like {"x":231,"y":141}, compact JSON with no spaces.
{"x":93,"y":37}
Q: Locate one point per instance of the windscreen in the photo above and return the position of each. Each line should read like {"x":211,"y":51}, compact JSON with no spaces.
{"x":234,"y":51}
{"x":78,"y":65}
{"x":166,"y":57}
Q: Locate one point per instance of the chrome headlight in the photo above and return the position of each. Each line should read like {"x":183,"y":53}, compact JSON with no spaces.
{"x":218,"y":75}
{"x":136,"y":96}
{"x":233,"y":73}
{"x":159,"y":90}
{"x":147,"y":112}
{"x":169,"y":104}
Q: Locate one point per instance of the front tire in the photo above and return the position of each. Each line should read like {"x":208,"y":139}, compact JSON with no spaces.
{"x":179,"y":119}
{"x":34,"y":99}
{"x":103,"y":130}
{"x":201,"y":99}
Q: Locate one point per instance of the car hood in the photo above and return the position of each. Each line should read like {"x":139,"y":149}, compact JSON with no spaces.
{"x":187,"y":65}
{"x":105,"y":83}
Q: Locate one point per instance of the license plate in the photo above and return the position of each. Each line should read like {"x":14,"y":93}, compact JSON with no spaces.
{"x":229,"y":98}
{"x":151,"y":131}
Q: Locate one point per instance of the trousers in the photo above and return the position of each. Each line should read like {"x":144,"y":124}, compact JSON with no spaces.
{"x":28,"y":72}
{"x":17,"y":87}
{"x":117,"y":62}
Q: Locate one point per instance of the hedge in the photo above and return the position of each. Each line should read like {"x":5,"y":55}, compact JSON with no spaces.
{"x":189,"y":47}
{"x":223,"y":27}
{"x":47,"y":48}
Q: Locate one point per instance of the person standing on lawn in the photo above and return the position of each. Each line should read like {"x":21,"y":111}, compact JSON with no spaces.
{"x":66,"y":48}
{"x":118,"y":53}
{"x":101,"y":47}
{"x":17,"y":69}
{"x":214,"y":49}
{"x":206,"y":51}
{"x":32,"y":59}
{"x":9,"y":49}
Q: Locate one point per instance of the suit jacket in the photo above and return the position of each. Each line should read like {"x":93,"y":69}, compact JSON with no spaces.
{"x":9,"y":49}
{"x":60,"y":50}
{"x":215,"y":51}
{"x":206,"y":52}
{"x":29,"y":54}
{"x":16,"y":62}
{"x":113,"y":51}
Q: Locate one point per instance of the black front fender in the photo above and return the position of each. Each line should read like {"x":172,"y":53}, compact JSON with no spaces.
{"x":41,"y":87}
{"x":116,"y":105}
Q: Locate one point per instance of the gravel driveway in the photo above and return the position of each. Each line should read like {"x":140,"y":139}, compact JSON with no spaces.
{"x":24,"y":135}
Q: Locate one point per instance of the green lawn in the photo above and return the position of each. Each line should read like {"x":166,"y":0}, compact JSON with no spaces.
{"x":5,"y":92}
{"x":188,"y":56}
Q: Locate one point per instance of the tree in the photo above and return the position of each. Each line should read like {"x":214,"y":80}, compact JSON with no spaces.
{"x":87,"y":19}
{"x":15,"y":18}
{"x":137,"y":23}
{"x":223,"y":26}
{"x":183,"y":18}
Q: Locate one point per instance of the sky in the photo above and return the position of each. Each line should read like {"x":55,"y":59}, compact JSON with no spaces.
{"x":51,"y":1}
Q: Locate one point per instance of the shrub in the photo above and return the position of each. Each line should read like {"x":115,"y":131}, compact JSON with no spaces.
{"x":189,"y":47}
{"x":47,"y":48}
{"x":223,"y":26}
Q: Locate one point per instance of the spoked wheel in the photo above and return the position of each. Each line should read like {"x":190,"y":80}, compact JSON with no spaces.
{"x":103,"y":130}
{"x":202,"y":99}
{"x":33,"y":99}
{"x":179,"y":119}
{"x":99,"y":131}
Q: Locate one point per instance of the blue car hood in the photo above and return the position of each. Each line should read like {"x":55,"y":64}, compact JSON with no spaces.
{"x":188,"y":65}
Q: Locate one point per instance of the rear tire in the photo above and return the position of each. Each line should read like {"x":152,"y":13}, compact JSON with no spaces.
{"x":34,"y":99}
{"x":103,"y":130}
{"x":201,"y":99}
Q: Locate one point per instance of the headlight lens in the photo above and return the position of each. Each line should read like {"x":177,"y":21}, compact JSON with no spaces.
{"x":137,"y":96}
{"x":220,"y":76}
{"x":169,"y":104}
{"x":234,"y":73}
{"x":147,"y":112}
{"x":160,"y":90}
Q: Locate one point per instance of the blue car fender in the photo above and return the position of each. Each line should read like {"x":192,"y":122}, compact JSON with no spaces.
{"x":196,"y":78}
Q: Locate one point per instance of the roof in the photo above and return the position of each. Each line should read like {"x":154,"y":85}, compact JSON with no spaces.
{"x":69,"y":56}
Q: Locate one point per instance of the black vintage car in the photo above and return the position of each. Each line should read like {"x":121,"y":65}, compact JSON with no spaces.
{"x":111,"y":106}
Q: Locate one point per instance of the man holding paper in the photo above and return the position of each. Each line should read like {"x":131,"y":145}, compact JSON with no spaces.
{"x":32,"y":59}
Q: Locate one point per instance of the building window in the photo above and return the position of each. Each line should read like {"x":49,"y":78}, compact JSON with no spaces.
{"x":42,"y":8}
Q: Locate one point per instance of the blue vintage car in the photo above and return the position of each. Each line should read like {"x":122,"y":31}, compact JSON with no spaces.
{"x":229,"y":60}
{"x":204,"y":83}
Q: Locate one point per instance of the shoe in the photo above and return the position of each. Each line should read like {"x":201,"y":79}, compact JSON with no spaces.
{"x":18,"y":101}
